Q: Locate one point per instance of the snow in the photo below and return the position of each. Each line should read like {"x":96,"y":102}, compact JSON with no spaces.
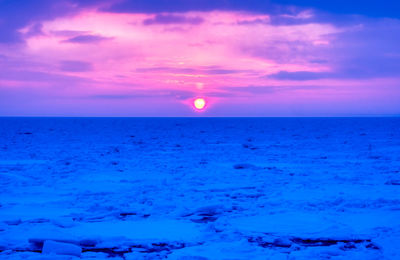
{"x":59,"y":248}
{"x":205,"y":188}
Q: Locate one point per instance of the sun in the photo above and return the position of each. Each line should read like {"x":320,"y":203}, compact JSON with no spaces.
{"x":199,"y":103}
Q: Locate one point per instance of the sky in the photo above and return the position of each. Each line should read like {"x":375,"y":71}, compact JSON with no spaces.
{"x":155,"y":57}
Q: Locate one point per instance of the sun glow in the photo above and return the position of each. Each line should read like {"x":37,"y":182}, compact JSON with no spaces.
{"x":199,"y":103}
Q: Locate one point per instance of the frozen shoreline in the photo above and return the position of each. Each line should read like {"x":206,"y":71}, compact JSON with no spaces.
{"x":242,"y":188}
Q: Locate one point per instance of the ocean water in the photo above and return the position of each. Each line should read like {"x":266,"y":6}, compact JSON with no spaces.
{"x":200,"y":188}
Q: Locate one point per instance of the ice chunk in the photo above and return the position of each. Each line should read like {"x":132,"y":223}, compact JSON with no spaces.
{"x":59,"y":248}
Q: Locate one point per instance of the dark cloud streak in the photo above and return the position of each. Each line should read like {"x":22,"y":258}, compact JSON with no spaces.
{"x":87,"y":39}
{"x":142,"y":93}
{"x":172,"y":19}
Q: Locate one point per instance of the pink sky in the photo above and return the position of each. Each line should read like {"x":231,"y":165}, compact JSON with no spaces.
{"x":100,"y":63}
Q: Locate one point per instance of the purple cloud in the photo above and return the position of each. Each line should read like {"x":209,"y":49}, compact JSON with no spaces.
{"x":370,"y":8}
{"x":260,"y":90}
{"x":68,"y":33}
{"x":254,"y":21}
{"x":35,"y":29}
{"x":173,"y":19}
{"x":15,"y":15}
{"x":75,"y":66}
{"x":301,"y":75}
{"x":178,"y":94}
{"x":213,"y":70}
{"x":36,"y":76}
{"x":87,"y":39}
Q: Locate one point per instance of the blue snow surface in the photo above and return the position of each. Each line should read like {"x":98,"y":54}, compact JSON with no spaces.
{"x":200,"y":188}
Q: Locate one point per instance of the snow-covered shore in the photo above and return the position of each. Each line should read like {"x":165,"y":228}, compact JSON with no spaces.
{"x":205,"y":188}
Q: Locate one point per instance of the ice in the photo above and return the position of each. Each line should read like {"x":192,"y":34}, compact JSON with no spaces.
{"x":211,"y":188}
{"x":58,"y":248}
{"x":157,"y":230}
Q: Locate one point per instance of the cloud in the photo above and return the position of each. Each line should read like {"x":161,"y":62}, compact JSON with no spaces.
{"x":17,"y":14}
{"x":262,"y":90}
{"x":353,"y":71}
{"x":259,"y":55}
{"x":75,"y":66}
{"x":254,"y":21}
{"x":301,"y":75}
{"x":158,"y":6}
{"x":68,"y":33}
{"x":252,"y":89}
{"x":207,"y":70}
{"x":371,"y":8}
{"x":366,"y":51}
{"x":34,"y":30}
{"x":36,"y":76}
{"x":301,"y":18}
{"x":36,"y":11}
{"x":173,"y":19}
{"x":113,"y":96}
{"x":283,"y":49}
{"x":150,"y":93}
{"x":87,"y":39}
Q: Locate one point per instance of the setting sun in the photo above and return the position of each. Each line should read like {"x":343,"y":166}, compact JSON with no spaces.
{"x":199,"y":103}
